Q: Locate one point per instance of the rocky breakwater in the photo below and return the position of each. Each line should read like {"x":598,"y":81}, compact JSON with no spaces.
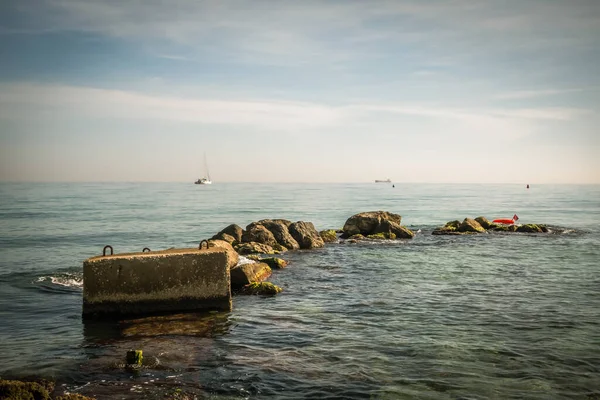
{"x":271,"y":236}
{"x":264,"y":237}
{"x":375,"y":225}
{"x":471,"y":226}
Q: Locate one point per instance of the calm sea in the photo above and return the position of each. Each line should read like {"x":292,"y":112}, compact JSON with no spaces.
{"x":439,"y":317}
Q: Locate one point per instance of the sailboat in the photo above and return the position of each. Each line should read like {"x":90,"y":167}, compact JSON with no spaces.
{"x":206,"y":180}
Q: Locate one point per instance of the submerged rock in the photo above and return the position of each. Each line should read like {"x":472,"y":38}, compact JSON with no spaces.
{"x":134,"y":357}
{"x":262,"y":288}
{"x":25,"y":390}
{"x":306,"y":235}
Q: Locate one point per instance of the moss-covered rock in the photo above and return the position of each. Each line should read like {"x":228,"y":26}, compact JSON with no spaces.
{"x":134,"y":357}
{"x":275,"y":263}
{"x":484,"y":222}
{"x":261,"y":288}
{"x":504,"y":228}
{"x":245,"y":274}
{"x":382,"y":236}
{"x":530,"y":228}
{"x":328,"y":236}
{"x":18,"y":390}
{"x":470,"y":225}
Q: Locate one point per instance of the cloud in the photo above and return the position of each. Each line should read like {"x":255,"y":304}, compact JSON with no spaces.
{"x":526,"y":94}
{"x":315,"y":31}
{"x":30,"y":101}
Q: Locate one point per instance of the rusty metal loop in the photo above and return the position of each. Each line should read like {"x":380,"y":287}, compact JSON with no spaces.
{"x":146,"y":249}
{"x":200,"y":246}
{"x":104,"y":250}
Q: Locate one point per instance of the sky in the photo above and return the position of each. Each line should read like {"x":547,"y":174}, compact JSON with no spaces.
{"x":504,"y":91}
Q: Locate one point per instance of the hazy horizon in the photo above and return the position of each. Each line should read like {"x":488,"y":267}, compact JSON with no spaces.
{"x":300,"y":92}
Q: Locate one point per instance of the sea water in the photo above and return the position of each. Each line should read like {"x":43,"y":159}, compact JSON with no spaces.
{"x":442,"y":317}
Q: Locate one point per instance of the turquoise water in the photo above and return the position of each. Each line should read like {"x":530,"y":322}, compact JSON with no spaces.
{"x":441,"y":317}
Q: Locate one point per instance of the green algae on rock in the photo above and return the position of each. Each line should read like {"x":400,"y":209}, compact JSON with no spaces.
{"x":261,"y":288}
{"x":134,"y":357}
{"x":274,"y":262}
{"x":382,"y":236}
{"x":328,"y":235}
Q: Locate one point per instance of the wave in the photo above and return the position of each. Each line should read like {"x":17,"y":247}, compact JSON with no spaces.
{"x":65,"y":279}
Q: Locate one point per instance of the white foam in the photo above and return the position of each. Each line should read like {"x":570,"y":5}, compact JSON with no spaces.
{"x":245,"y":260}
{"x":66,"y":279}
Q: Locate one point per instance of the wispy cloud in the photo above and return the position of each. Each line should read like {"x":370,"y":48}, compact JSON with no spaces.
{"x":22,"y":100}
{"x":526,"y":94}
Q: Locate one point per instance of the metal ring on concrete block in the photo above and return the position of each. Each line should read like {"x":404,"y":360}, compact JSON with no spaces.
{"x":104,"y":250}
{"x":200,"y":246}
{"x":146,"y":249}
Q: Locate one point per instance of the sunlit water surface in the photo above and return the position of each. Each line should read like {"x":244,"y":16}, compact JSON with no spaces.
{"x":441,"y":317}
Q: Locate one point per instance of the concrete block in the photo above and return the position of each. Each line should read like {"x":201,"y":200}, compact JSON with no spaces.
{"x":157,"y":281}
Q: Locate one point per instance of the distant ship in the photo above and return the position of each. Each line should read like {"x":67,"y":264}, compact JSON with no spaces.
{"x":383,"y":181}
{"x":206,"y":180}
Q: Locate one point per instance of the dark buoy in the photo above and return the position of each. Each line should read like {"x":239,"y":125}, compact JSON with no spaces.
{"x":528,"y":186}
{"x":393,"y":186}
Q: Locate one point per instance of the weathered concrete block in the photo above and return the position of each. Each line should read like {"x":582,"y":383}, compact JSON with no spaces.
{"x":158,"y":281}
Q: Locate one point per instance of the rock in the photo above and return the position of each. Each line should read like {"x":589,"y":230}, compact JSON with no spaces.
{"x":306,"y":235}
{"x":382,"y":236}
{"x":354,"y":238}
{"x":284,"y":222}
{"x":530,"y":228}
{"x":389,"y":228}
{"x":328,"y":236}
{"x":134,"y":357}
{"x":279,"y":229}
{"x":228,"y":238}
{"x":504,"y":228}
{"x":275,"y":263}
{"x":365,"y":223}
{"x":248,"y":273}
{"x":254,"y":248}
{"x":232,"y":255}
{"x":484,"y":222}
{"x":449,"y":229}
{"x":262,"y":288}
{"x":279,"y":249}
{"x":25,"y":390}
{"x":470,"y":225}
{"x":258,"y":233}
{"x":232,"y":230}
